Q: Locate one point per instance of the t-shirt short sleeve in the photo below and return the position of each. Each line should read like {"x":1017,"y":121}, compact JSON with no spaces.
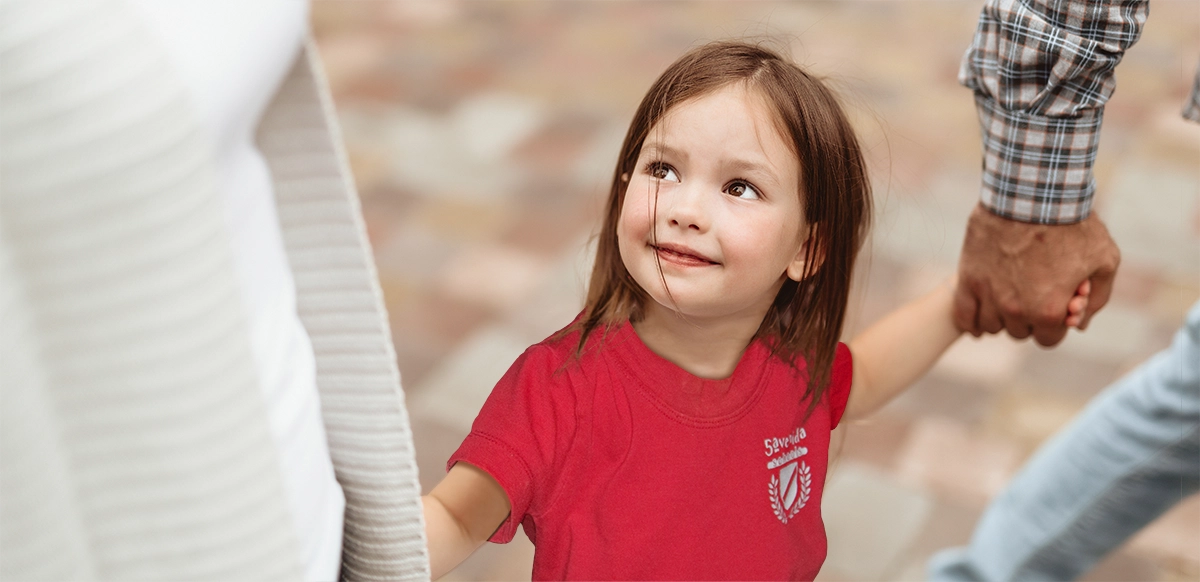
{"x":517,"y":437}
{"x":839,"y":384}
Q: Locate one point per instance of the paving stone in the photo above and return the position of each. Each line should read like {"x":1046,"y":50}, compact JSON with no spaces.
{"x":1176,"y":573}
{"x":1063,"y":373}
{"x":434,"y":442}
{"x":426,"y":326}
{"x":511,"y":561}
{"x":1175,"y":134}
{"x":1028,"y":416}
{"x":925,"y":227}
{"x":1174,"y":536}
{"x":948,"y":458}
{"x":1135,"y":284}
{"x":557,"y":147}
{"x":950,"y":525}
{"x":347,"y":57}
{"x":914,"y":571}
{"x":593,"y":169}
{"x":490,"y":125}
{"x":990,"y":360}
{"x":414,"y":254}
{"x":1159,"y":234}
{"x":384,"y":211}
{"x":872,"y":293}
{"x":463,"y":220}
{"x":1173,"y":299}
{"x":434,"y":155}
{"x":1122,"y":567}
{"x":493,"y":277}
{"x":498,"y":125}
{"x":560,"y":296}
{"x":549,"y":214}
{"x":874,"y":441}
{"x":1115,"y":333}
{"x":454,"y":391}
{"x":416,"y":13}
{"x":870,"y":519}
{"x":967,"y":402}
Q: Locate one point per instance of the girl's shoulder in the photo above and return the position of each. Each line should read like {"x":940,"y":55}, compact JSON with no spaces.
{"x":554,"y":369}
{"x":563,"y":346}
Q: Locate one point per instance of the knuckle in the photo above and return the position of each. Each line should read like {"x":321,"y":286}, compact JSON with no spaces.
{"x":1011,"y":309}
{"x":1019,"y":332}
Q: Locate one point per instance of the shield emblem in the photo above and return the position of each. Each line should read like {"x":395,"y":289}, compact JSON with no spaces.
{"x":790,"y":489}
{"x":788,"y":485}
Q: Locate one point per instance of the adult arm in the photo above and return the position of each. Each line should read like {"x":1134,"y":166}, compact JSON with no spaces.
{"x":1041,"y":71}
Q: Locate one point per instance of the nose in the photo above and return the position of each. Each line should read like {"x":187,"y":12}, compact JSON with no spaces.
{"x":685,"y":208}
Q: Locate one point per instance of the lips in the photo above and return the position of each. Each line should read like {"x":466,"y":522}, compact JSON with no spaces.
{"x":682,"y":255}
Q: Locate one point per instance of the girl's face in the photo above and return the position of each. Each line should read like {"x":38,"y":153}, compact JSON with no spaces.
{"x":729,"y":224}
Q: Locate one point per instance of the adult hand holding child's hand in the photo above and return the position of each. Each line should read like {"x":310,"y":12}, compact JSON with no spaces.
{"x":1019,"y":276}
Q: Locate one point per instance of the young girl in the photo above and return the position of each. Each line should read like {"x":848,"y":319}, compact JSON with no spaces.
{"x":679,"y":427}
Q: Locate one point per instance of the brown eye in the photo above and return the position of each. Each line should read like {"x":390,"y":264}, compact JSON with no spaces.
{"x":661,"y":171}
{"x":742,"y":190}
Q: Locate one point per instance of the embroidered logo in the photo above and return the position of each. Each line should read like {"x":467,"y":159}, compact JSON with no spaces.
{"x":791,"y":485}
{"x":797,"y":484}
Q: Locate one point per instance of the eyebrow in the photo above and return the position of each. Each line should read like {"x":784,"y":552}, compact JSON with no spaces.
{"x":663,"y":150}
{"x":757,"y":170}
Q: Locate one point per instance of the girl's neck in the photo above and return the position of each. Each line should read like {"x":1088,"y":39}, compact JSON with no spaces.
{"x":707,"y":348}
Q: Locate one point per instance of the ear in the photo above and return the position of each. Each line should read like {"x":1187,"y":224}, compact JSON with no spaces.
{"x":809,"y":257}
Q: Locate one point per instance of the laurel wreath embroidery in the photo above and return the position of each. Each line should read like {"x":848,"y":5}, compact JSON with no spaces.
{"x":805,"y":481}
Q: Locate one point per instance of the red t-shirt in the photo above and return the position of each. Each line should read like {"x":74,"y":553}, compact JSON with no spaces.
{"x":621,"y":465}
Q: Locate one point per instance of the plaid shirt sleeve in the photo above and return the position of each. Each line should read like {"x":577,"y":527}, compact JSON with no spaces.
{"x":1192,"y":109}
{"x":1042,"y":71}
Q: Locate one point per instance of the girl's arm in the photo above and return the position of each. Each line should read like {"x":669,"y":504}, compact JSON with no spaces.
{"x":900,"y":348}
{"x":461,"y":513}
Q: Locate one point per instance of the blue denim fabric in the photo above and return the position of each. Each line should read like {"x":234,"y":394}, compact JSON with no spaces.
{"x":1132,"y":454}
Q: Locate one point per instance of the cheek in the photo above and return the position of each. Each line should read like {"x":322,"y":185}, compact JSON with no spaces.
{"x":634,"y":223}
{"x":765,"y":247}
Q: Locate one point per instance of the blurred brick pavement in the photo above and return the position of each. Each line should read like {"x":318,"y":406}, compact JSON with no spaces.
{"x":483,"y":135}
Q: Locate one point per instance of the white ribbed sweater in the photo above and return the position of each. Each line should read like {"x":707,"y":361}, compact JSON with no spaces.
{"x":133,"y":440}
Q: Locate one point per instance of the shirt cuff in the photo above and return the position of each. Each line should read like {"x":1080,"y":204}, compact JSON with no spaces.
{"x":1037,"y":169}
{"x":1191,"y":110}
{"x":505,"y":466}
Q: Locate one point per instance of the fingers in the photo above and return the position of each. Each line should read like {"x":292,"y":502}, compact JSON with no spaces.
{"x":1014,"y":318}
{"x":1078,"y":304}
{"x":1049,"y":335}
{"x":990,"y":318}
{"x":966,"y":310}
{"x":1104,"y":270}
{"x":1075,"y":309}
{"x":1019,"y":330}
{"x":1101,"y":285}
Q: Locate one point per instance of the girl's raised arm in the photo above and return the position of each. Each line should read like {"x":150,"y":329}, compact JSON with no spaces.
{"x":900,"y":348}
{"x":461,"y":513}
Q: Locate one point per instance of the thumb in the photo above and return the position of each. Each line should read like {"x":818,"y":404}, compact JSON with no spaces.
{"x":1102,"y":283}
{"x":966,"y":310}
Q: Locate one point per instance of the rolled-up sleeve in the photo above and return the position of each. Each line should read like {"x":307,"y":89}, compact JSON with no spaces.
{"x":1191,"y":109}
{"x":1042,"y":71}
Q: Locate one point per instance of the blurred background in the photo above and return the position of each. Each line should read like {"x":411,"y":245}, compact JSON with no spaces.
{"x":482,"y":136}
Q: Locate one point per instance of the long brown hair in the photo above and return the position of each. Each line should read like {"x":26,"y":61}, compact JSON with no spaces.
{"x":806,"y":317}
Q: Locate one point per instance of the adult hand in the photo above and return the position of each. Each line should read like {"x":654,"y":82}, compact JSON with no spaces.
{"x":1019,"y":277}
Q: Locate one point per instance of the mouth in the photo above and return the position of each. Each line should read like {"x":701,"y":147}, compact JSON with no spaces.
{"x":681,"y":255}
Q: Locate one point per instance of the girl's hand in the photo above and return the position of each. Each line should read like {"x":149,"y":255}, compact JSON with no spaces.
{"x":1077,"y":306}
